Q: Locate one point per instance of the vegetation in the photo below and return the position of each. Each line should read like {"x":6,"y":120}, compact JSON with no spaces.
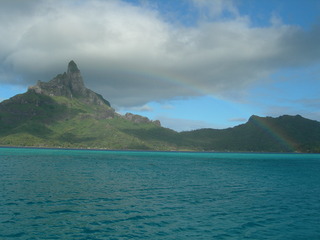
{"x":33,"y":119}
{"x":282,"y":134}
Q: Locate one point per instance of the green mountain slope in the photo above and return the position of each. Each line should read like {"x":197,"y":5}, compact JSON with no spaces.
{"x":282,"y":134}
{"x":64,"y":113}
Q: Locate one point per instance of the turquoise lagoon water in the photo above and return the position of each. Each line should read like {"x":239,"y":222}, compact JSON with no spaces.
{"x":78,"y":194}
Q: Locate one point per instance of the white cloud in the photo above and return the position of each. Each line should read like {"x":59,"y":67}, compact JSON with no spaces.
{"x":238,"y":120}
{"x":179,"y":124}
{"x":309,"y":103}
{"x":276,"y":20}
{"x":144,"y":108}
{"x":167,"y":106}
{"x":215,"y":8}
{"x":132,"y":56}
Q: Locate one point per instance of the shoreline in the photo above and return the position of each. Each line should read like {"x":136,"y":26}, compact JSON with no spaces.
{"x":139,"y":150}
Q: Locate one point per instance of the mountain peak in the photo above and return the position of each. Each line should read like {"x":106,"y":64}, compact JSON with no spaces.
{"x":72,"y":67}
{"x":253,"y":118}
{"x":69,"y":84}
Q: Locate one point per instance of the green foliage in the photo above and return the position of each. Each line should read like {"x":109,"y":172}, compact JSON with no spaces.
{"x":283,"y":134}
{"x":33,"y":119}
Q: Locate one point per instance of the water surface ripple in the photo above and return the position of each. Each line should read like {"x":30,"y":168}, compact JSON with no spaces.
{"x":73,"y":194}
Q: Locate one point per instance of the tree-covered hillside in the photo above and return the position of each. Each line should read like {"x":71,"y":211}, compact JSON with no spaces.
{"x":64,"y":113}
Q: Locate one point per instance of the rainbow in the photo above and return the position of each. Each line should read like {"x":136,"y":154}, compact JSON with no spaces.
{"x":275,"y":132}
{"x":171,"y":78}
{"x":278,"y":134}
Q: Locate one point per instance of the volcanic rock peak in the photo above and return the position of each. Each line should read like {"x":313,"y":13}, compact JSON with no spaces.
{"x":69,"y":84}
{"x":72,"y":67}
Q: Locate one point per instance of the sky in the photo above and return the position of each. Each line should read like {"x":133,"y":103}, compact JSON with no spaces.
{"x":189,"y":63}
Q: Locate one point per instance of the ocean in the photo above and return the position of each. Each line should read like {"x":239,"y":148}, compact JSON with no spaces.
{"x":83,"y":194}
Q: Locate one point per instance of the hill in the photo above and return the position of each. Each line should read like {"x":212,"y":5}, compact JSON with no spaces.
{"x":64,"y":113}
{"x":261,"y":134}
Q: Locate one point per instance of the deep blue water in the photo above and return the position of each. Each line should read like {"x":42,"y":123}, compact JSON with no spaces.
{"x":77,"y":194}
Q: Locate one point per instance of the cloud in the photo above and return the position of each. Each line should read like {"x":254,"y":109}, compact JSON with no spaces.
{"x":309,"y":103}
{"x":179,"y":124}
{"x":215,"y":8}
{"x":238,"y":120}
{"x":131,"y":55}
{"x":144,"y":108}
{"x":167,"y":106}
